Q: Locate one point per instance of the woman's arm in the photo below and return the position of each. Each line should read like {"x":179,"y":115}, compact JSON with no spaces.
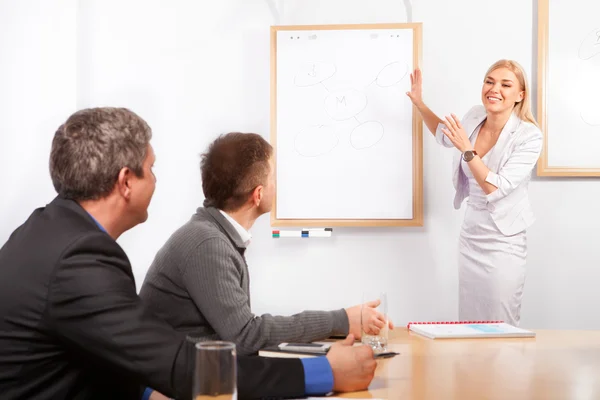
{"x":457,"y":135}
{"x":416,"y":96}
{"x":480,"y":172}
{"x":518,"y":167}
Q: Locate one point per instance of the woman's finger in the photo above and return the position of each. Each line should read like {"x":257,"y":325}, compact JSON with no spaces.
{"x":457,"y":121}
{"x":451,"y":123}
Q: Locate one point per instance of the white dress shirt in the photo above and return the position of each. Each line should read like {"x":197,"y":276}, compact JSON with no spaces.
{"x":244,"y":234}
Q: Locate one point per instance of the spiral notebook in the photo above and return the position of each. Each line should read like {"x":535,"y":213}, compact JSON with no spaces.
{"x":468,"y":330}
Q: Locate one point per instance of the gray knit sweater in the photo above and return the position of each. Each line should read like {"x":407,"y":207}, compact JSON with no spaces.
{"x":199,"y":283}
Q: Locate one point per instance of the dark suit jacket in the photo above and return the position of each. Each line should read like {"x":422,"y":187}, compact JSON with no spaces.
{"x":73,"y":327}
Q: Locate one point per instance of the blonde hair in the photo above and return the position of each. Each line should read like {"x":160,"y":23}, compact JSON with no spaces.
{"x":522,"y":108}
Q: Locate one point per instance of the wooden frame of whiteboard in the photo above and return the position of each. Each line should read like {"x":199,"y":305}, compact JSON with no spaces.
{"x":542,"y":81}
{"x":417,"y":128}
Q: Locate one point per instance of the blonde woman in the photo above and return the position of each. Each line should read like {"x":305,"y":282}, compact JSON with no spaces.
{"x":498,"y":146}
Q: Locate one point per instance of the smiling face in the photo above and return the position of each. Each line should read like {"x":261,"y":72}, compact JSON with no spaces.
{"x":501,"y":91}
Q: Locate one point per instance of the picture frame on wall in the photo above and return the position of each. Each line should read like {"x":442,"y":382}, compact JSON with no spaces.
{"x":568,"y":86}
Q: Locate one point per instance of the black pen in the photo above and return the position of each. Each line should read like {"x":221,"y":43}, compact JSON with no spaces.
{"x":386,"y":355}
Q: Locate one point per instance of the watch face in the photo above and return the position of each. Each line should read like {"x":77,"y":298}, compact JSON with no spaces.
{"x":468,"y":155}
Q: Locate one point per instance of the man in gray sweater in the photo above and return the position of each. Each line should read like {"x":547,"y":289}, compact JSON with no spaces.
{"x":199,"y":280}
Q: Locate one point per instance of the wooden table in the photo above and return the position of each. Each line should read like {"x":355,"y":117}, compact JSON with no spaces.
{"x":554,"y":365}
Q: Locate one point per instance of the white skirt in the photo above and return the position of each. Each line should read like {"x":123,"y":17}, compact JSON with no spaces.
{"x":491,"y":270}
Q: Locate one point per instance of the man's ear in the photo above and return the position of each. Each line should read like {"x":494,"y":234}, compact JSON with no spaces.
{"x":124,"y":182}
{"x":257,"y":195}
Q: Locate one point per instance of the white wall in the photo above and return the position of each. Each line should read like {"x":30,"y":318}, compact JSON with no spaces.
{"x":37,"y":91}
{"x":195,"y":69}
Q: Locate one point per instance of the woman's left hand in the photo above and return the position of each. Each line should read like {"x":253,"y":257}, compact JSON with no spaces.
{"x":457,"y":135}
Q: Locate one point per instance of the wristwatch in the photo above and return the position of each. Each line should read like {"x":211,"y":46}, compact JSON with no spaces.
{"x":469,"y":155}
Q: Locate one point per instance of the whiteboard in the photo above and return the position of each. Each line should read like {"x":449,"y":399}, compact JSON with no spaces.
{"x":348,"y":144}
{"x":569,"y":83}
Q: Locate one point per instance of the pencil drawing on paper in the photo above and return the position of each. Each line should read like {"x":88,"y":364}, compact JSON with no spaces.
{"x":590,"y":46}
{"x":315,"y":141}
{"x":313,"y":73}
{"x":391,"y":74}
{"x":590,"y":117}
{"x":342,"y":105}
{"x":345,"y":104}
{"x":366,"y":134}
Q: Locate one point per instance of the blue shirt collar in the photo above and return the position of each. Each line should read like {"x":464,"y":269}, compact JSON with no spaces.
{"x":98,"y":223}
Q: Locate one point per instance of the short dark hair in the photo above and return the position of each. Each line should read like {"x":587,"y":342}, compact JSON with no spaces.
{"x":233,"y":166}
{"x":92,"y":146}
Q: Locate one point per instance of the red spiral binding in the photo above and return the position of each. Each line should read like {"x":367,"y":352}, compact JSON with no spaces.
{"x":451,"y":323}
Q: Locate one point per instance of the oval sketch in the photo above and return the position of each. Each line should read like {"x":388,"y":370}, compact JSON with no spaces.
{"x":391,"y":74}
{"x":313,"y":73}
{"x":591,"y":118}
{"x":316,"y":141}
{"x":344,"y":104}
{"x":366,"y":135}
{"x":590,"y":46}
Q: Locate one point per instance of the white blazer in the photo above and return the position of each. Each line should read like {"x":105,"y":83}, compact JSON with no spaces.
{"x":516,"y":153}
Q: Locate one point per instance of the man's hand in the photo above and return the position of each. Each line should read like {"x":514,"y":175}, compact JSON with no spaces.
{"x":374,"y":321}
{"x":353,"y":366}
{"x":158,"y":396}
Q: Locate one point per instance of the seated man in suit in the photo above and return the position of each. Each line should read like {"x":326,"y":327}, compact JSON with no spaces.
{"x":71,"y":323}
{"x":199,"y":280}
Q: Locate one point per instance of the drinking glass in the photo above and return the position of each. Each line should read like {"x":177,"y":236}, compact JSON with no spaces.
{"x":215,"y":376}
{"x":377,"y":341}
